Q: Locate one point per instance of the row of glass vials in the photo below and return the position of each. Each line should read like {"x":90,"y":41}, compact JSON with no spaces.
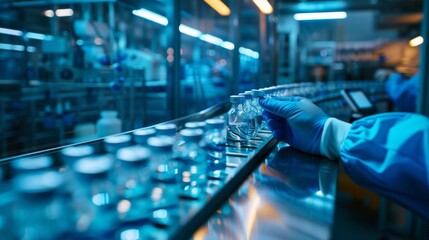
{"x":135,"y":177}
{"x":245,"y":116}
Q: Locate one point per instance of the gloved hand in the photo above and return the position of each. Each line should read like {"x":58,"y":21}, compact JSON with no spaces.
{"x":300,"y":123}
{"x":295,"y":120}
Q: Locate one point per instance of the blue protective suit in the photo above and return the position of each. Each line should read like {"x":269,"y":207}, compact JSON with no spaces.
{"x":403,"y":92}
{"x":389,"y":154}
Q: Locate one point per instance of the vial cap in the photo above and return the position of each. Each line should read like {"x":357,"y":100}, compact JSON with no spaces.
{"x":133,"y":154}
{"x":237,"y":99}
{"x":38,"y":182}
{"x":191,"y":134}
{"x":258,"y":93}
{"x":108,"y":114}
{"x":247,"y":95}
{"x":114,"y":143}
{"x":195,"y":125}
{"x":142,"y":135}
{"x":215,"y":123}
{"x":77,"y":151}
{"x":32,"y":163}
{"x":161,"y":143}
{"x":93,"y":165}
{"x":168,"y":129}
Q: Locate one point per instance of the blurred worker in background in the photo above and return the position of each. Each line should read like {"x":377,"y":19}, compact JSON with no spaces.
{"x":387,"y":153}
{"x":402,"y":90}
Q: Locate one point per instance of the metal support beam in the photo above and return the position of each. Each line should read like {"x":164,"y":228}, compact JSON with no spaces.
{"x":423,"y":96}
{"x":263,"y":52}
{"x":235,"y":34}
{"x":272,"y":41}
{"x":173,"y":65}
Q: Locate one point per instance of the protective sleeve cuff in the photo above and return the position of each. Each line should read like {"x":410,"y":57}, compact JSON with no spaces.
{"x":333,"y":135}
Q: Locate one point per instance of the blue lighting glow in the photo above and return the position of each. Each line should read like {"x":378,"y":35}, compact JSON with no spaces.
{"x":319,"y":16}
{"x":30,"y":35}
{"x":189,"y":31}
{"x":38,"y":36}
{"x":228,"y":45}
{"x":12,"y":47}
{"x":8,"y":31}
{"x":151,"y":16}
{"x":211,"y":39}
{"x":248,"y":52}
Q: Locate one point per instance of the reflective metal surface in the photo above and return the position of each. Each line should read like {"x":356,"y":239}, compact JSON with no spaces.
{"x":290,"y":196}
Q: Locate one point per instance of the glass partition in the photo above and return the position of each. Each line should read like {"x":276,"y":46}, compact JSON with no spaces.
{"x":62,"y":65}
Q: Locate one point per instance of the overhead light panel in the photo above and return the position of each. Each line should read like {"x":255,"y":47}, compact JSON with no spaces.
{"x":12,"y":32}
{"x":319,"y":16}
{"x":228,"y":45}
{"x":189,"y":31}
{"x":248,"y":52}
{"x":211,"y":39}
{"x":417,"y":41}
{"x":151,"y":16}
{"x":30,"y":35}
{"x":13,"y":47}
{"x":38,"y":36}
{"x":64,"y":12}
{"x":264,"y":6}
{"x":219,"y":7}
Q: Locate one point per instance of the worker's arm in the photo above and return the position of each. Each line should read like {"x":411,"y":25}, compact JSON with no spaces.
{"x":403,"y":91}
{"x":387,"y":153}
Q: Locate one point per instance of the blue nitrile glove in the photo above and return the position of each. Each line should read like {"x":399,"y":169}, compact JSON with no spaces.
{"x":295,"y":120}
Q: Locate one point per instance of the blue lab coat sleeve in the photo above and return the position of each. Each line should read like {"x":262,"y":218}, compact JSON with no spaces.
{"x":403,"y":92}
{"x":389,"y":154}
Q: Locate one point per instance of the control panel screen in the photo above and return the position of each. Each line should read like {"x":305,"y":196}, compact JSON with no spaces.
{"x":360,"y":99}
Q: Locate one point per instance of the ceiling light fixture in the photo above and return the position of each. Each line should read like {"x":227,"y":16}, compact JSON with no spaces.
{"x":64,"y":12}
{"x":219,"y":7}
{"x":211,"y":39}
{"x":264,"y":6}
{"x":151,"y":16}
{"x":319,"y":16}
{"x":417,"y":41}
{"x":189,"y":31}
{"x":12,"y":47}
{"x":13,"y":32}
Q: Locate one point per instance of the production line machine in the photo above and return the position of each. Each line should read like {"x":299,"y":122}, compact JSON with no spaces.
{"x":261,"y":190}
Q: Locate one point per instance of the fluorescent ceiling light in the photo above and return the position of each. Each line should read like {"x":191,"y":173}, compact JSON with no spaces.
{"x":228,"y":45}
{"x":8,"y":31}
{"x":264,"y":6}
{"x":65,"y":12}
{"x":319,"y":16}
{"x":219,"y":7}
{"x":31,"y":49}
{"x":49,"y":13}
{"x":30,"y":35}
{"x":245,"y":51}
{"x":211,"y":39}
{"x":38,"y":36}
{"x":248,"y":52}
{"x":189,"y":31}
{"x":151,"y":16}
{"x":6,"y":46}
{"x":417,"y":41}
